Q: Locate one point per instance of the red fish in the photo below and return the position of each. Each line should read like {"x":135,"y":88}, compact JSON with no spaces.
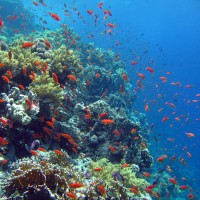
{"x":164,"y":119}
{"x":47,"y":43}
{"x":27,"y":45}
{"x":54,"y":16}
{"x":107,"y":121}
{"x":183,"y":187}
{"x":34,"y":153}
{"x":125,"y":77}
{"x":161,"y":159}
{"x":98,"y":169}
{"x":58,"y":152}
{"x":107,"y":12}
{"x":102,"y":115}
{"x":90,"y":12}
{"x":150,"y":69}
{"x":6,"y":79}
{"x":1,"y":23}
{"x":190,"y":135}
{"x":76,"y":185}
{"x":55,"y":78}
{"x":42,"y":149}
{"x":71,"y":195}
{"x":173,"y":181}
{"x":111,"y":25}
{"x":72,"y":77}
{"x":29,"y":104}
{"x":3,"y":162}
{"x":141,"y":75}
{"x":101,"y":190}
{"x":112,"y":149}
{"x":164,"y":80}
{"x":100,"y":5}
{"x":146,"y":174}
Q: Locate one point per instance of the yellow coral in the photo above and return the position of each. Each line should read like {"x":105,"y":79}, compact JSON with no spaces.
{"x":46,"y":89}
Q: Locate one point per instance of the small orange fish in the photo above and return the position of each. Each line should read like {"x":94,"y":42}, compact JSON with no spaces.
{"x":66,"y":135}
{"x":2,"y":100}
{"x":125,"y":165}
{"x":32,"y":76}
{"x":135,"y":190}
{"x":34,"y":153}
{"x":54,"y":16}
{"x":141,"y":75}
{"x":161,"y":159}
{"x":98,"y":169}
{"x":164,"y":79}
{"x":29,"y":104}
{"x":71,"y":195}
{"x":101,"y":190}
{"x":112,"y":149}
{"x":133,"y":130}
{"x":43,"y":163}
{"x":25,"y":72}
{"x":125,"y":77}
{"x":111,"y":25}
{"x":150,"y":69}
{"x":183,"y":187}
{"x":21,"y":87}
{"x":98,"y":75}
{"x":173,"y":181}
{"x":107,"y":121}
{"x":107,"y":12}
{"x":36,"y":63}
{"x":90,"y":12}
{"x":101,"y":115}
{"x":50,"y":124}
{"x":146,"y":174}
{"x":73,"y":78}
{"x":146,"y":107}
{"x":6,"y":79}
{"x":189,"y":154}
{"x":55,"y":78}
{"x":164,"y":119}
{"x":27,"y":45}
{"x":3,"y":162}
{"x":190,"y":135}
{"x":1,"y":65}
{"x":58,"y":152}
{"x":42,"y":149}
{"x":9,"y":73}
{"x":76,"y":185}
{"x":47,"y":43}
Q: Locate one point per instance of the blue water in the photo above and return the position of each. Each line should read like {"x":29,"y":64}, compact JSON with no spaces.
{"x":165,"y":34}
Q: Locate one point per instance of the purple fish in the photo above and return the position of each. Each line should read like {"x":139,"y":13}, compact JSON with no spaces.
{"x":118,"y":176}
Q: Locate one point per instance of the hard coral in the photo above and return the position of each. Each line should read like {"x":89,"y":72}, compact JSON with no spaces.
{"x":46,"y":89}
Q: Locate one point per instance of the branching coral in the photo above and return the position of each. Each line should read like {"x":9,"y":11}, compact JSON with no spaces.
{"x":46,"y":89}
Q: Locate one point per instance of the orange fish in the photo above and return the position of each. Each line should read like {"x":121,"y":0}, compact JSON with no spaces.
{"x":29,"y":104}
{"x":2,"y":100}
{"x":161,"y":159}
{"x":147,"y":107}
{"x":32,"y":76}
{"x":54,"y":16}
{"x":1,"y":64}
{"x":47,"y":43}
{"x":71,"y":195}
{"x":100,"y":5}
{"x":55,"y":78}
{"x":98,"y":169}
{"x":107,"y":12}
{"x":34,"y":153}
{"x":90,"y":12}
{"x":43,"y":163}
{"x":164,"y":119}
{"x":141,"y":75}
{"x":112,"y":149}
{"x":101,"y":190}
{"x":58,"y":152}
{"x":125,"y":165}
{"x":27,"y":45}
{"x":50,"y":124}
{"x":107,"y":121}
{"x":111,"y":25}
{"x":150,"y":69}
{"x":3,"y":162}
{"x":183,"y":187}
{"x":76,"y":185}
{"x":133,"y":130}
{"x":71,"y":77}
{"x":6,"y":79}
{"x":134,"y":190}
{"x":125,"y":77}
{"x":189,"y":135}
{"x":102,"y":115}
{"x":21,"y":87}
{"x":9,"y":73}
{"x":164,"y":80}
{"x":97,"y":75}
{"x":173,"y":181}
{"x":42,"y":149}
{"x":146,"y":174}
{"x":65,"y":135}
{"x":189,"y":154}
